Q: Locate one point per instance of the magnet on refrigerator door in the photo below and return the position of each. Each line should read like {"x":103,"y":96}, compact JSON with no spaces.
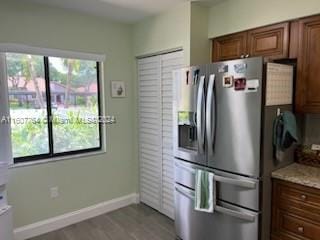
{"x":252,"y":85}
{"x":240,"y":68}
{"x":223,"y":69}
{"x":240,"y":84}
{"x":227,"y":81}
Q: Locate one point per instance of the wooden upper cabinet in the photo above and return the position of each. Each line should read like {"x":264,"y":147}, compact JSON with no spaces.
{"x":229,"y":47}
{"x":271,"y":42}
{"x":308,"y":80}
{"x":298,"y":39}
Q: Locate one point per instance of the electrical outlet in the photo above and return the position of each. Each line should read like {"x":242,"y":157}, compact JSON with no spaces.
{"x":54,"y":192}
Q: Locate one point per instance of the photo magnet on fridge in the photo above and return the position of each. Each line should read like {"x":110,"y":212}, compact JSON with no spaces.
{"x":240,"y":84}
{"x":227,"y":81}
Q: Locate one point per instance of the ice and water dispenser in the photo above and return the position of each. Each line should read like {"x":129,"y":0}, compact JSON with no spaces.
{"x":186,"y":88}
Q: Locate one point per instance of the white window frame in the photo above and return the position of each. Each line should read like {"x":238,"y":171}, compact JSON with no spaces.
{"x":5,"y":130}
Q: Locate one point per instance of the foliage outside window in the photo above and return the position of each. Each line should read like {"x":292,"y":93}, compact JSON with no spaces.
{"x":54,"y":106}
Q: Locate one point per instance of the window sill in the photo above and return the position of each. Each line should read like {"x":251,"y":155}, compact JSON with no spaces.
{"x":56,"y":159}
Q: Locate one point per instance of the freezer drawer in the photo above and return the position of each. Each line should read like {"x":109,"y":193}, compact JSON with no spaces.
{"x":232,"y":188}
{"x":228,"y":222}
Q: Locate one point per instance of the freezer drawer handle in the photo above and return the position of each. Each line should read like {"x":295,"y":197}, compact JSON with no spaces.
{"x":236,"y":214}
{"x":244,"y":216}
{"x":187,"y":193}
{"x":240,"y":183}
{"x":200,"y":115}
{"x":236,"y":182}
{"x":189,"y":169}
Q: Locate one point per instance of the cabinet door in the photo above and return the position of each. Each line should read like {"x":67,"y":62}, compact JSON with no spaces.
{"x":308,"y":81}
{"x":271,"y":42}
{"x":294,"y":213}
{"x":229,"y":47}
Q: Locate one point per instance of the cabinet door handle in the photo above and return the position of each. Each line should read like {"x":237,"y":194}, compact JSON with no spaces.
{"x":303,"y":197}
{"x":300,"y":229}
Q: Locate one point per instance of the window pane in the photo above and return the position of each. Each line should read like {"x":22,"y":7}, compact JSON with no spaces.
{"x":74,"y":101}
{"x":27,"y":98}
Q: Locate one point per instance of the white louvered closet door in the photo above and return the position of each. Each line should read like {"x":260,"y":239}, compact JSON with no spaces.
{"x":155,"y":130}
{"x":150,"y":151}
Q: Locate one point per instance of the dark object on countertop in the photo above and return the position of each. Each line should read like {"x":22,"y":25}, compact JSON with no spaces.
{"x":305,"y":155}
{"x":284,"y":133}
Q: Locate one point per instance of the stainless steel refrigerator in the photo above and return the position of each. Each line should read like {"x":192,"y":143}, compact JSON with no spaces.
{"x":222,"y":124}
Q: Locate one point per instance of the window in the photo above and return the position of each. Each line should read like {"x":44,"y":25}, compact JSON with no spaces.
{"x":54,"y":106}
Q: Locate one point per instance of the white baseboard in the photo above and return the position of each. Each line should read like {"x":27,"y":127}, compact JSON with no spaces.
{"x":67,"y":219}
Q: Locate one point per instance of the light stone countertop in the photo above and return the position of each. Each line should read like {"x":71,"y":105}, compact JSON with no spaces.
{"x":300,"y":174}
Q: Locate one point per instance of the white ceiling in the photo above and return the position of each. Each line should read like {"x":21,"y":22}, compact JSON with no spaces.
{"x":128,"y":11}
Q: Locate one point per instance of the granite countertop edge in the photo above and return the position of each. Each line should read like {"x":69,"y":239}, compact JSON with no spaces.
{"x":299,"y":174}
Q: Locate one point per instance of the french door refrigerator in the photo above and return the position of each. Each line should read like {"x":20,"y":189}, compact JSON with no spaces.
{"x":222,"y":125}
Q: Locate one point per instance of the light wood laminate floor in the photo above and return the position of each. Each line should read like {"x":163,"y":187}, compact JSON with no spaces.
{"x":135,"y":222}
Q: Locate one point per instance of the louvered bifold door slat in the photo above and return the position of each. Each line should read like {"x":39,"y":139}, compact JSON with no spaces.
{"x":150,"y":133}
{"x":169,"y":62}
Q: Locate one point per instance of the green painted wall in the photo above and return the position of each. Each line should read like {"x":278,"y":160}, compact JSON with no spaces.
{"x":231,"y":16}
{"x":185,"y":25}
{"x":90,"y":180}
{"x":199,"y":42}
{"x":168,"y":30}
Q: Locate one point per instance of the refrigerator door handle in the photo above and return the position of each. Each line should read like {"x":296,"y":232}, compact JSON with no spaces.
{"x":211,"y":114}
{"x":243,"y":216}
{"x":200,"y":115}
